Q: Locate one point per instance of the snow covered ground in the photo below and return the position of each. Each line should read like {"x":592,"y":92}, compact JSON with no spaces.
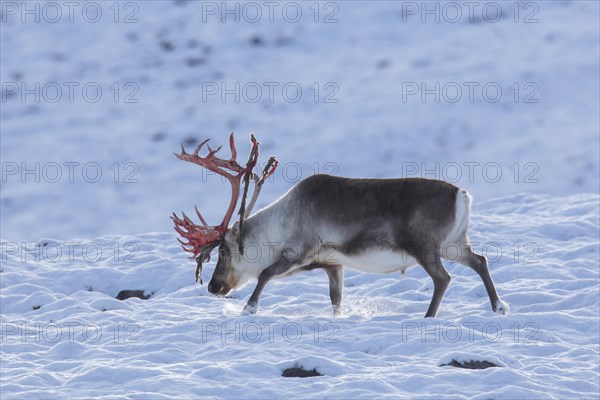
{"x":65,"y":336}
{"x":94,"y":102}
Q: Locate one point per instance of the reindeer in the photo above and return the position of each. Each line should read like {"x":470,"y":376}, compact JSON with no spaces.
{"x":328,"y":222}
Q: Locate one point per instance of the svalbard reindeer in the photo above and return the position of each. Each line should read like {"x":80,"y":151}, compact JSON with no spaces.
{"x":327,"y":222}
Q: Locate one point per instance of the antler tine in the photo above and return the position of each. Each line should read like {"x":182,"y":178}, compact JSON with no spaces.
{"x":183,"y":153}
{"x":179,"y":230}
{"x":186,"y":246}
{"x":198,"y":236}
{"x":183,"y":243}
{"x":232,"y":147}
{"x":180,"y":225}
{"x":229,"y":168}
{"x":200,"y":146}
{"x":176,"y":219}
{"x":200,"y":216}
{"x":212,"y":152}
{"x":254,"y":152}
{"x":270,"y":167}
{"x":186,"y":218}
{"x":267,"y":172}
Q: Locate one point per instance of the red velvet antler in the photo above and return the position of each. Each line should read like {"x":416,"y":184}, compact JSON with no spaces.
{"x":199,"y":236}
{"x":202,"y":239}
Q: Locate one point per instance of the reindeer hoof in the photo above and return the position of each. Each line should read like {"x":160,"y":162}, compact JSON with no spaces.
{"x":250,"y":309}
{"x":501,"y":308}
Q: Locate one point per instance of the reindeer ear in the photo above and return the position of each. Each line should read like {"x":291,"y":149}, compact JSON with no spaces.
{"x":235,"y":232}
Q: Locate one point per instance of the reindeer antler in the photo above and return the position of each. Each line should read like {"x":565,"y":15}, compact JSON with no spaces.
{"x":267,"y":172}
{"x":202,"y":239}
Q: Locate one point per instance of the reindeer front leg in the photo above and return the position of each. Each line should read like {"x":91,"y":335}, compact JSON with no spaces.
{"x":279,"y":267}
{"x":336,"y":285}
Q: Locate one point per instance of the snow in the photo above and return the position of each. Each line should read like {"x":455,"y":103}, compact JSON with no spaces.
{"x":185,"y":342}
{"x":71,"y":241}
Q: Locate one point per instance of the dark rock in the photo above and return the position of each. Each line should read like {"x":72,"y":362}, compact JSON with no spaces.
{"x":256,"y":40}
{"x":300,"y":373}
{"x":190,"y":141}
{"x":159,"y":137}
{"x":194,"y":61}
{"x":283,"y":41}
{"x":131,"y":36}
{"x":167,"y":46}
{"x":421,"y":63}
{"x":126,"y":294}
{"x":382,"y":64}
{"x":470,"y":364}
{"x":58,"y":57}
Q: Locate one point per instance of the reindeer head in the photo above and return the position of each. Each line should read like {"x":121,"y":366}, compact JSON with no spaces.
{"x":202,"y":239}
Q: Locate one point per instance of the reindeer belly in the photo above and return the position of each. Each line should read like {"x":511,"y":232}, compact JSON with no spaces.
{"x":376,"y":261}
